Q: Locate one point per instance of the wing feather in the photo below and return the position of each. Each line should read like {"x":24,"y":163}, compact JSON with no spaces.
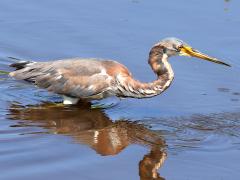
{"x":74,"y":77}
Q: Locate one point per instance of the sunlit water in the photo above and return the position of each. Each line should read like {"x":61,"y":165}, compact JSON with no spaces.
{"x":191,"y":131}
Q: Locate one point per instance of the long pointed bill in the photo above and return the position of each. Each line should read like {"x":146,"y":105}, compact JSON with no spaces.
{"x":189,"y":51}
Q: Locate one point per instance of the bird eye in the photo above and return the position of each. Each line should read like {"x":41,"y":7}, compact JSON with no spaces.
{"x":179,"y":48}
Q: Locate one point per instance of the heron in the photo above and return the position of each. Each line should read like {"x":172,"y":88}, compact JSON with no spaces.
{"x":94,"y":79}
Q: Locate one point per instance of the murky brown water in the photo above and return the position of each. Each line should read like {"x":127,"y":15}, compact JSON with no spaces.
{"x":191,"y":131}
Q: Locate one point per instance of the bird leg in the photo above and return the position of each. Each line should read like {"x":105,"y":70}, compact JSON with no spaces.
{"x":69,"y":100}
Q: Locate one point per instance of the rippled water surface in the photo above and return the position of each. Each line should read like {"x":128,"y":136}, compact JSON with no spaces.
{"x":191,"y":131}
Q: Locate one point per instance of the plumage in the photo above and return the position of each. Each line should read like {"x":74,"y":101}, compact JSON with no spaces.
{"x":96,"y":79}
{"x":72,"y":77}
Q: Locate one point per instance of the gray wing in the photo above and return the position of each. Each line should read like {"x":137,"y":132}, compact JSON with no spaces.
{"x":73,"y":77}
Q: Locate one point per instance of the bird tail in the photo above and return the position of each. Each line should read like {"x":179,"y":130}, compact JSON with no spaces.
{"x":20,"y":64}
{"x":14,"y":62}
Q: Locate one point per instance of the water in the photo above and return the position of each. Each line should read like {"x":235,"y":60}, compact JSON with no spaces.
{"x":191,"y":131}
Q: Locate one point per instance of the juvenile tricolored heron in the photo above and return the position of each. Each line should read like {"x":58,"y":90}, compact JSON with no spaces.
{"x":94,"y":79}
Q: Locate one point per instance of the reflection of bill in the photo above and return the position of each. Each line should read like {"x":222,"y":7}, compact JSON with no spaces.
{"x":94,"y":128}
{"x":226,"y":8}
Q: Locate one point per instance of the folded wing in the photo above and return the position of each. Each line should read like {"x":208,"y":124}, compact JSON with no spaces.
{"x":81,"y":78}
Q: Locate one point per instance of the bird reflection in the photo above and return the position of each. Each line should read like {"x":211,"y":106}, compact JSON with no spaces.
{"x":95,"y":129}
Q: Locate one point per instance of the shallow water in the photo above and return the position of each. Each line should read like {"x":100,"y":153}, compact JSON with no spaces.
{"x":191,"y":131}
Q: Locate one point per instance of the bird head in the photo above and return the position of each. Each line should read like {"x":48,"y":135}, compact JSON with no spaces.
{"x":174,"y":46}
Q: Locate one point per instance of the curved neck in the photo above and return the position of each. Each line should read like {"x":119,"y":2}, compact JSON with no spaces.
{"x":158,"y":60}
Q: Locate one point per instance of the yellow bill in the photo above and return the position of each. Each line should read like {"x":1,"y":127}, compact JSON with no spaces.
{"x":189,"y":51}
